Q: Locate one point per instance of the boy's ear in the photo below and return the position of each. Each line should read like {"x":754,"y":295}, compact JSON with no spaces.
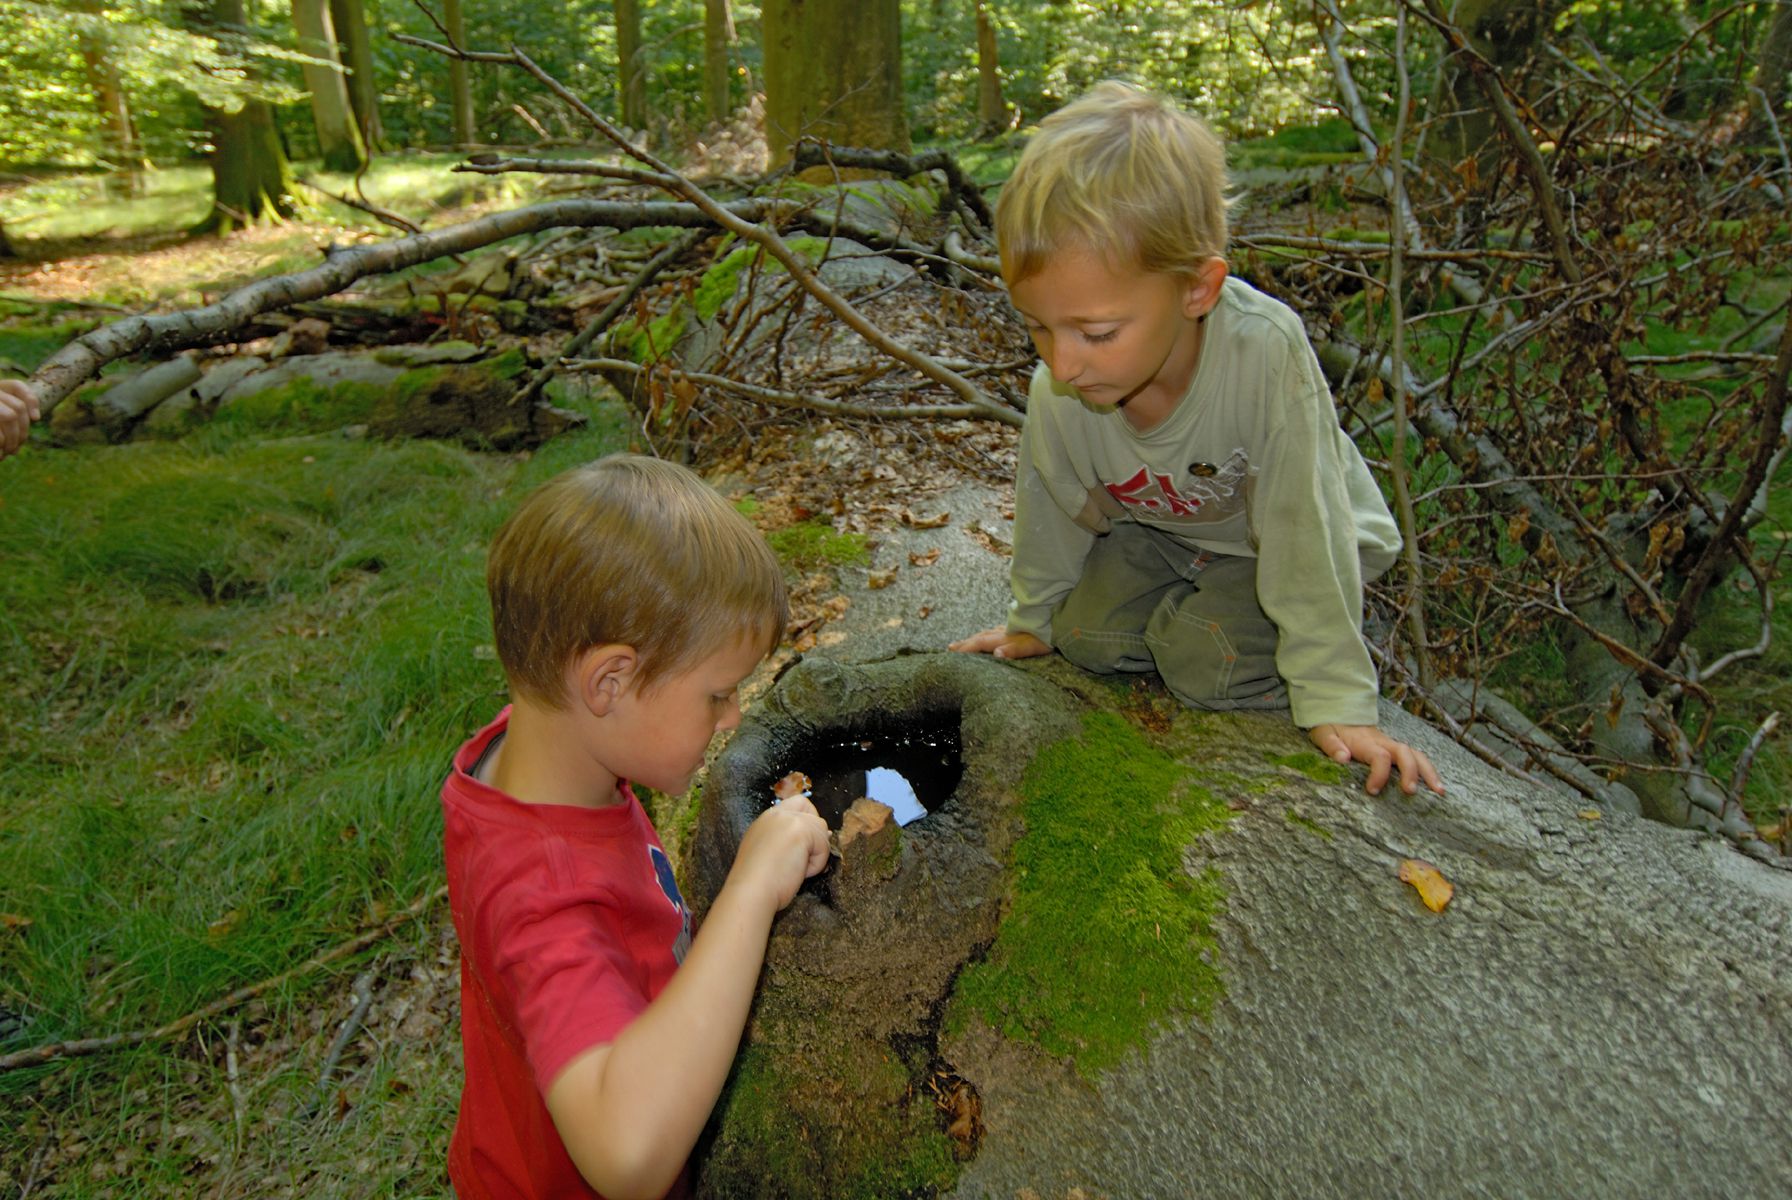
{"x":1204,"y":285}
{"x":601,"y":675}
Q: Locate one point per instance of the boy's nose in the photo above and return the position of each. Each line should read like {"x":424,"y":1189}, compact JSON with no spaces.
{"x":1060,"y":361}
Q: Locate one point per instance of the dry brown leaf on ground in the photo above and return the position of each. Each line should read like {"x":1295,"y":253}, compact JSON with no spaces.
{"x":878,"y":580}
{"x":925,"y":560}
{"x":1428,"y":881}
{"x":914,"y":522}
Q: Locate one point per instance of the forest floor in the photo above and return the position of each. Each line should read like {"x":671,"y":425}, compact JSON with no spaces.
{"x":238,"y":666}
{"x":234,"y":667}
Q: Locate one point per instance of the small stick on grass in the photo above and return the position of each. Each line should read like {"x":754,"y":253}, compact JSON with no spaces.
{"x":79,"y":1047}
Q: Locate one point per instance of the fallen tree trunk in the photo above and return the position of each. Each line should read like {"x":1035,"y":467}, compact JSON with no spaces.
{"x":1601,"y":1007}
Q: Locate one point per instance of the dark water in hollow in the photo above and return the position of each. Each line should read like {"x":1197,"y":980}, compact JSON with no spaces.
{"x":886,"y":766}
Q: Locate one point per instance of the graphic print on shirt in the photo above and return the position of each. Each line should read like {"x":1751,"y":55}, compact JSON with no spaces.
{"x":662,"y":869}
{"x":1210,"y":493}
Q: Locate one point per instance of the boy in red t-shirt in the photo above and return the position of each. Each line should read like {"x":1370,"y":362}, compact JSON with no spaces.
{"x":629,"y":601}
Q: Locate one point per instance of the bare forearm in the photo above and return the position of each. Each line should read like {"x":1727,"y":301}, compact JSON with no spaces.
{"x":634,"y":1119}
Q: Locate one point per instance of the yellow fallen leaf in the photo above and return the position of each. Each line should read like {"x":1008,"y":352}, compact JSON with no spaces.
{"x":1430,"y":883}
{"x":877,"y":580}
{"x":1590,"y":814}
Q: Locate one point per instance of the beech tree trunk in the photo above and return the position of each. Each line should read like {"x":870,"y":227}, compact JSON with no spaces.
{"x":991,"y":115}
{"x":460,"y":89}
{"x":1505,"y":33}
{"x":350,"y":19}
{"x":833,"y":70}
{"x":631,"y":68}
{"x":338,"y":139}
{"x":718,"y":36}
{"x":122,"y":148}
{"x":251,"y":178}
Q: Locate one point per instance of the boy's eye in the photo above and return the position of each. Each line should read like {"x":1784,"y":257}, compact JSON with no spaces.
{"x":1109,"y":336}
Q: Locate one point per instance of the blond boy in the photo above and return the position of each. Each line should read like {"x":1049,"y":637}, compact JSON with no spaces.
{"x":629,"y":601}
{"x":1185,"y":501}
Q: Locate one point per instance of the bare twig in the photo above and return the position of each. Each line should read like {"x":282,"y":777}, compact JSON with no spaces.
{"x":748,"y":230}
{"x":615,"y":308}
{"x":818,"y":403}
{"x":1746,"y":760}
{"x":80,"y":1047}
{"x":362,"y":991}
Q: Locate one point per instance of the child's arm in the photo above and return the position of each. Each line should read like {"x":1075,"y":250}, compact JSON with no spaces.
{"x":1368,"y":744}
{"x":630,"y":1111}
{"x":18,"y":408}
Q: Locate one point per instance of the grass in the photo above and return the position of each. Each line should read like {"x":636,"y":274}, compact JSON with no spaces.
{"x":232,"y":671}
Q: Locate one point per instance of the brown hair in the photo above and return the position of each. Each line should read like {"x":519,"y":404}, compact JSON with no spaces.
{"x":1122,"y":172}
{"x":627,"y":550}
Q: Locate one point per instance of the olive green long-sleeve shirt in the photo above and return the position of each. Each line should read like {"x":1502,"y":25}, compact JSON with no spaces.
{"x":1250,"y":462}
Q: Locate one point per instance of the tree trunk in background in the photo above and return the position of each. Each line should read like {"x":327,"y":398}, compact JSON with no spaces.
{"x":1505,"y":33}
{"x":122,"y":148}
{"x":631,"y":68}
{"x":338,"y":139}
{"x":460,"y":88}
{"x":991,"y":116}
{"x":350,"y":19}
{"x":6,"y":250}
{"x":718,"y":35}
{"x":1770,"y":76}
{"x":251,"y":179}
{"x":833,"y":70}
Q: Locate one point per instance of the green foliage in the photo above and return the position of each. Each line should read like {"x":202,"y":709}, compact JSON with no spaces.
{"x":1107,"y":933}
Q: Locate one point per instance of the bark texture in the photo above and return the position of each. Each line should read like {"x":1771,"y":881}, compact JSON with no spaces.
{"x":833,"y":70}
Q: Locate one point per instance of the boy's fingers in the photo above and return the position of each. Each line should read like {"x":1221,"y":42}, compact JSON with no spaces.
{"x":1432,"y":779}
{"x":1381,"y":763}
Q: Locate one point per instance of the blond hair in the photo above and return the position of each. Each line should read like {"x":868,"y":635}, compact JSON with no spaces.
{"x":633,"y":551}
{"x":1122,"y":172}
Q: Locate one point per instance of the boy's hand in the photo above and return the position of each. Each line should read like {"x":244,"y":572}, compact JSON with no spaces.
{"x":1368,"y":744}
{"x":1002,"y":644}
{"x":18,"y":408}
{"x":784,"y":845}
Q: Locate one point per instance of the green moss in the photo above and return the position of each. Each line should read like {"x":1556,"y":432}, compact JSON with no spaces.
{"x":1107,"y":932}
{"x":301,"y":404}
{"x":814,"y":544}
{"x":1313,"y":765}
{"x":782,"y":1129}
{"x":1306,"y":823}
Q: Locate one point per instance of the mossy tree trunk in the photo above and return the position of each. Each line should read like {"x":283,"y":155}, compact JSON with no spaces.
{"x":122,"y":147}
{"x":1769,"y":79}
{"x":991,"y":115}
{"x":338,"y":139}
{"x":833,"y":70}
{"x":718,"y":36}
{"x":631,"y":66}
{"x":460,"y":87}
{"x":350,"y":20}
{"x":1506,"y":33}
{"x":251,"y":178}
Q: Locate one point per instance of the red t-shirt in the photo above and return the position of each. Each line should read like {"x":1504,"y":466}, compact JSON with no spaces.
{"x":570,"y":922}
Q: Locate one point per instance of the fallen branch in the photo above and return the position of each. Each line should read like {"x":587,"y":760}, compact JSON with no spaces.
{"x":811,"y":153}
{"x":82,"y":358}
{"x":746,"y":229}
{"x":81,"y":1047}
{"x":1006,"y":416}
